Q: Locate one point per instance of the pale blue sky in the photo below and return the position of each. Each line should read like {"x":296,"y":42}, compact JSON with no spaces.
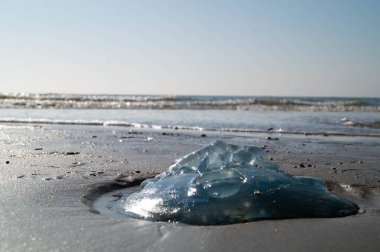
{"x":284,"y":47}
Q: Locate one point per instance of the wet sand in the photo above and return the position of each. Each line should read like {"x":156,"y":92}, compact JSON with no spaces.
{"x":50,"y":175}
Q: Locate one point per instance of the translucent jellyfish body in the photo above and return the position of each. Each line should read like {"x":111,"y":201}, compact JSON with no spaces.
{"x":224,"y":183}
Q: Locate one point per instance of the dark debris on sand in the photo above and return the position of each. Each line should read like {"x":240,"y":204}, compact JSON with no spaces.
{"x":70,"y":153}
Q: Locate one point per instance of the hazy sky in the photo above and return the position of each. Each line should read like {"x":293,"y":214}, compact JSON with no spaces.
{"x":283,"y":47}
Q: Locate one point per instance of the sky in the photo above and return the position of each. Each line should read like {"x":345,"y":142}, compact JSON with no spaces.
{"x":198,"y":47}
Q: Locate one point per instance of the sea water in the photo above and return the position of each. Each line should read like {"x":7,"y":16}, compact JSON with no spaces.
{"x":223,"y":184}
{"x":292,"y":115}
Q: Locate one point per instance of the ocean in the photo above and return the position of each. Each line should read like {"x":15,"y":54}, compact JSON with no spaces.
{"x":285,"y":115}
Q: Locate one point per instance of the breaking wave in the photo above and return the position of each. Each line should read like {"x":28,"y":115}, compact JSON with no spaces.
{"x":87,"y":101}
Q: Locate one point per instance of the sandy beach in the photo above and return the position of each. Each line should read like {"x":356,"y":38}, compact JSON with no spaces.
{"x":49,"y":171}
{"x":260,"y":119}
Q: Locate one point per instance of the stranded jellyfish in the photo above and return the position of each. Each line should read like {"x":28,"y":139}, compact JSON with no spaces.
{"x":223,"y":184}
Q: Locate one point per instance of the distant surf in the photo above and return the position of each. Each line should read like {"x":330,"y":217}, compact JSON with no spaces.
{"x":89,"y":101}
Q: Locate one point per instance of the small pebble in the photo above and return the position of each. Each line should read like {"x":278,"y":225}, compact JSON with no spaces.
{"x":257,"y":193}
{"x":7,"y":162}
{"x":134,"y":132}
{"x":71,"y":153}
{"x":203,"y":135}
{"x":124,"y":137}
{"x":167,"y":134}
{"x":76,"y":164}
{"x":272,"y":138}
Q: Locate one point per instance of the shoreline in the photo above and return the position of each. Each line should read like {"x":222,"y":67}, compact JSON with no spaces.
{"x":188,"y":129}
{"x":51,"y":167}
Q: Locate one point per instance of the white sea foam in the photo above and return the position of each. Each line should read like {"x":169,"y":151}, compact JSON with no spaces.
{"x":75,"y":101}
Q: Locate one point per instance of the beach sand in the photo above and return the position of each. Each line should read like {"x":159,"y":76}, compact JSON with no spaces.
{"x":50,"y":175}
